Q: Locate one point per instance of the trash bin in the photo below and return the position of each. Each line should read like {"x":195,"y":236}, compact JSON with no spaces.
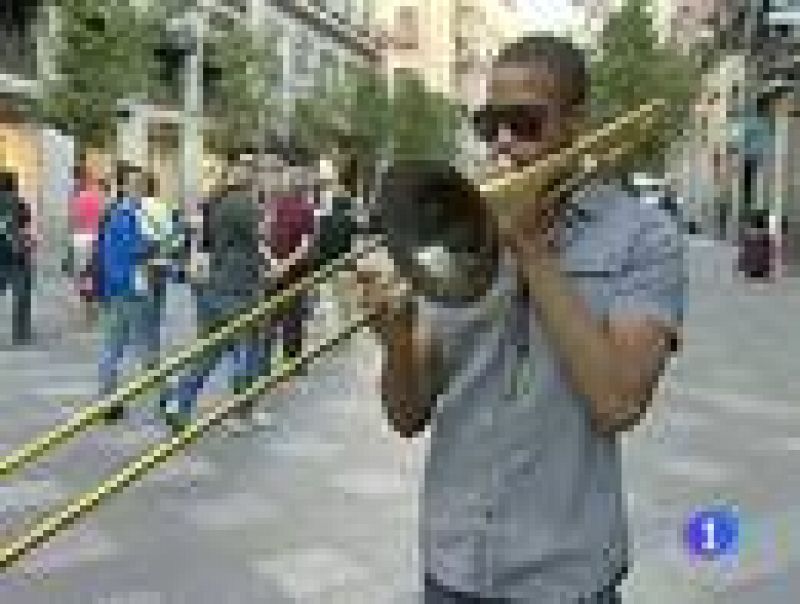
{"x":757,"y":249}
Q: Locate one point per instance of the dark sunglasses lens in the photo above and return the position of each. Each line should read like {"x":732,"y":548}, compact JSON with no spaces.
{"x":526,"y":125}
{"x":525,"y":122}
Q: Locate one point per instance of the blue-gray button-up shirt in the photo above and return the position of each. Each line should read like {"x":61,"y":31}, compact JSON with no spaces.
{"x":522,"y":499}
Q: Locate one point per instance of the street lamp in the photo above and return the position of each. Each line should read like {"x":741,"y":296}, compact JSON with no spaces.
{"x":189,"y":31}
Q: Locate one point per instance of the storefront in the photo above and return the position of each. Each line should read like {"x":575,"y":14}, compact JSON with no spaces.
{"x":20,"y":151}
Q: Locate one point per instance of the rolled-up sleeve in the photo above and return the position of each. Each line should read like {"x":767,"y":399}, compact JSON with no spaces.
{"x":652,"y":284}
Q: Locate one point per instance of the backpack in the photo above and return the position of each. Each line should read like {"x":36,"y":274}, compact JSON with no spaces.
{"x":232,"y":233}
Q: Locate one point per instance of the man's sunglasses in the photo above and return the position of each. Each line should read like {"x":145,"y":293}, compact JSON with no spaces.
{"x":523,"y":122}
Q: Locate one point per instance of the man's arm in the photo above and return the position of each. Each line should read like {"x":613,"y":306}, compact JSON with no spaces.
{"x":412,"y":375}
{"x":614,"y":363}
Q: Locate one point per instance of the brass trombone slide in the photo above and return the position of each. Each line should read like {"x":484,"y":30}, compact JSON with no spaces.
{"x":87,"y":416}
{"x":51,"y":524}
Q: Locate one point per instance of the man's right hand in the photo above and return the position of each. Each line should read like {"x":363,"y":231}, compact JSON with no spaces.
{"x":376,"y":289}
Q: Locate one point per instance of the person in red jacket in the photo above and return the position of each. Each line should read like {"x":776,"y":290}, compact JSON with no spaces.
{"x":291,"y":223}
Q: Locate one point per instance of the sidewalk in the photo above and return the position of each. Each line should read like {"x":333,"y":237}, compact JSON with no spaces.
{"x":323,"y":508}
{"x":723,"y":429}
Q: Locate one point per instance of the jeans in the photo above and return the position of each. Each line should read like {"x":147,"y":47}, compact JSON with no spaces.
{"x":126,"y":322}
{"x":248,"y":355}
{"x":154,"y":307}
{"x":20,"y":280}
{"x":290,"y":324}
{"x":435,"y":593}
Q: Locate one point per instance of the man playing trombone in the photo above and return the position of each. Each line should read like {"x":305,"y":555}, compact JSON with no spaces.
{"x":527,"y":388}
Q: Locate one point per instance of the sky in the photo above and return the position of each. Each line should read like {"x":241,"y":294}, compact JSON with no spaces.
{"x":570,"y":17}
{"x":557,"y":16}
{"x":553,"y":15}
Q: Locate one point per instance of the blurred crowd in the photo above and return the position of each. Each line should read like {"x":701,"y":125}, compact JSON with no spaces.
{"x":129,"y":244}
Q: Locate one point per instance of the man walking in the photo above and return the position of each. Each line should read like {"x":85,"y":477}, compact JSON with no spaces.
{"x":163,"y":228}
{"x":291,"y":228}
{"x":527,"y":388}
{"x":86,"y":208}
{"x":121,"y":254}
{"x":16,"y":255}
{"x":235,"y":282}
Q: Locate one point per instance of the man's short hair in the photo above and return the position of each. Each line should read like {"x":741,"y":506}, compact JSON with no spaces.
{"x":566,"y":60}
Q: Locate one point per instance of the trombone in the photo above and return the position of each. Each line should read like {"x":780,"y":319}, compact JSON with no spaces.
{"x":559,"y":173}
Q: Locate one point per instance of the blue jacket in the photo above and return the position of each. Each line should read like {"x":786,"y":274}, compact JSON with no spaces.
{"x":121,"y":247}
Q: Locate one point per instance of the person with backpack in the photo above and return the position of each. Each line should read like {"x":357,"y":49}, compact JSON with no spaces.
{"x":234,"y":282}
{"x":122,"y":250}
{"x":16,"y":255}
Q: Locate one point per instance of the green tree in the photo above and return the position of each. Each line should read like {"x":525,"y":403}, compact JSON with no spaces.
{"x":349,"y":120}
{"x":362,"y":121}
{"x":632,"y":67}
{"x":105,"y":55}
{"x":424,"y":123}
{"x":240,"y":100}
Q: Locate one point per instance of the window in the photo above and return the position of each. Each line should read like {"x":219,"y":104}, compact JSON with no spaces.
{"x":406,"y":28}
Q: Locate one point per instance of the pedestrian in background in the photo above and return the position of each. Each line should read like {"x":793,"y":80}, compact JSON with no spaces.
{"x":86,"y":207}
{"x":291,"y":226}
{"x":16,"y":255}
{"x":163,"y":228}
{"x":337,"y":224}
{"x":757,"y":248}
{"x":121,"y":252}
{"x":233,"y":284}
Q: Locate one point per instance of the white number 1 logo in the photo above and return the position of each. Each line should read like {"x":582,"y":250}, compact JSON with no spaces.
{"x":708,"y":531}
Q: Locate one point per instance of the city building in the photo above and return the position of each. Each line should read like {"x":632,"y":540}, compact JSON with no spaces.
{"x":744,"y":154}
{"x":37,"y":155}
{"x":449,"y":42}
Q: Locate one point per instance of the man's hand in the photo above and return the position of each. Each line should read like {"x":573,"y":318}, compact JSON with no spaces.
{"x":531,"y":228}
{"x":410,"y":379}
{"x":376,"y":288}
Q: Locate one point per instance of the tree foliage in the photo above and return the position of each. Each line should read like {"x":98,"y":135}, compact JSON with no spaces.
{"x":424,"y":123}
{"x":349,"y":118}
{"x":633,"y":67}
{"x":241,"y":101}
{"x":363,"y":120}
{"x":104,"y":56}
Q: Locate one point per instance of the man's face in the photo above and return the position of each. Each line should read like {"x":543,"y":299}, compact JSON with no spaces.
{"x":526,"y":116}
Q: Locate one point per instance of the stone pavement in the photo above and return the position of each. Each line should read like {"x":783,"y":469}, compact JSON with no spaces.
{"x":322,"y":508}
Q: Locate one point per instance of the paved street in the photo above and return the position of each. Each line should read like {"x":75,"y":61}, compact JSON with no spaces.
{"x":322,"y":508}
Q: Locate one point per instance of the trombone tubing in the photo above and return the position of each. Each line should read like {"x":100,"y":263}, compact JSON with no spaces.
{"x":595,"y":161}
{"x":637,"y":118}
{"x":52,"y":524}
{"x":84,"y":418}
